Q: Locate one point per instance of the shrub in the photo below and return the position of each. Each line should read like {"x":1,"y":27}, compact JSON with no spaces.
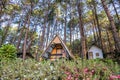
{"x":7,"y":51}
{"x":59,"y":70}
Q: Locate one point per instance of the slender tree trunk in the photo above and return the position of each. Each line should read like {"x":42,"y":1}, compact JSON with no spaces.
{"x":65,"y":26}
{"x":81,"y":27}
{"x":19,"y":39}
{"x":115,"y":11}
{"x":26,"y":36}
{"x":93,"y":27}
{"x":29,"y":45}
{"x":98,"y":25}
{"x":70,"y":35}
{"x":114,"y":30}
{"x":54,"y":28}
{"x":94,"y":24}
{"x":48,"y":31}
{"x":31,"y":40}
{"x":25,"y":44}
{"x":109,"y":42}
{"x":116,"y":15}
{"x":42,"y":38}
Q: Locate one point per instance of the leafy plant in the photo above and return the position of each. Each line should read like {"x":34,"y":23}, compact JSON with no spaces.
{"x":59,"y":70}
{"x":7,"y":51}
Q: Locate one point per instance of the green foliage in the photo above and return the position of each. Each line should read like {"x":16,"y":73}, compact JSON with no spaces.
{"x":58,"y":1}
{"x":75,"y":47}
{"x":58,"y":70}
{"x":1,"y":32}
{"x":117,"y":26}
{"x":7,"y":51}
{"x":51,"y":14}
{"x":73,"y":22}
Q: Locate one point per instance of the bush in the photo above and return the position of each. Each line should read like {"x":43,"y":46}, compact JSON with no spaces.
{"x":59,"y":70}
{"x":8,"y":51}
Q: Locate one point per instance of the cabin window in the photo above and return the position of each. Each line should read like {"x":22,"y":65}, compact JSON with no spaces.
{"x":53,"y":45}
{"x":97,"y":54}
{"x":50,"y":49}
{"x":46,"y":55}
{"x":90,"y":55}
{"x":59,"y":51}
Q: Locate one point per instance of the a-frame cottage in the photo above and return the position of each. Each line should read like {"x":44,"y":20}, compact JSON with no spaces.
{"x":56,"y":50}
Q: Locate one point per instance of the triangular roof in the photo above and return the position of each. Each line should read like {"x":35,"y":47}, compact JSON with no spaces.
{"x":58,"y":40}
{"x":95,"y":46}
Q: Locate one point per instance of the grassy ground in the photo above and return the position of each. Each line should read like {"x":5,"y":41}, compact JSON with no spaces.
{"x":59,"y":70}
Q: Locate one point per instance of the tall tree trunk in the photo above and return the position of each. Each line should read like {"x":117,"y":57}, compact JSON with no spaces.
{"x":98,"y":25}
{"x":109,"y":42}
{"x":31,"y":40}
{"x":70,"y":35}
{"x":81,"y":27}
{"x":115,"y":11}
{"x":29,"y":45}
{"x":42,"y":38}
{"x":19,"y":39}
{"x":26,"y":36}
{"x":114,"y":30}
{"x":93,"y":29}
{"x":54,"y":28}
{"x":48,"y":31}
{"x":20,"y":36}
{"x":65,"y":26}
{"x":94,"y":24}
{"x":25,"y":44}
{"x":71,"y":26}
{"x":116,"y":15}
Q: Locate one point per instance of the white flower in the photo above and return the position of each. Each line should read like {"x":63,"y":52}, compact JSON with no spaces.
{"x":46,"y":79}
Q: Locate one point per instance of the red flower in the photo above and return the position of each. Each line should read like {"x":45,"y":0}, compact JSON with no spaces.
{"x":76,"y":79}
{"x":118,"y":76}
{"x":67,"y":73}
{"x":86,"y":70}
{"x":69,"y":77}
{"x":92,"y":71}
{"x":112,"y":77}
{"x":76,"y":75}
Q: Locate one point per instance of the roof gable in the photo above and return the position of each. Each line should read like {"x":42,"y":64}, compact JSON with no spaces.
{"x":57,"y":40}
{"x":94,"y":47}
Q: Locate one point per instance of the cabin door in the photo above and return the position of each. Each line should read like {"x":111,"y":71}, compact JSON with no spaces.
{"x":90,"y":55}
{"x":59,"y":52}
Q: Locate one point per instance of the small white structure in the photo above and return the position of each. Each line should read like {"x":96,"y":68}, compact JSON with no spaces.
{"x":95,"y":52}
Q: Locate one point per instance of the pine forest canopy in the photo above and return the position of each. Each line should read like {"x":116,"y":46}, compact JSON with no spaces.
{"x":31,"y":24}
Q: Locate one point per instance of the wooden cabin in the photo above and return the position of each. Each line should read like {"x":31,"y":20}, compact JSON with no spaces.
{"x":95,"y":52}
{"x":56,"y":50}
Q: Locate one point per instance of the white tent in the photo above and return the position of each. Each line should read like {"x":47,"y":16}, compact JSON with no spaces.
{"x":95,"y":52}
